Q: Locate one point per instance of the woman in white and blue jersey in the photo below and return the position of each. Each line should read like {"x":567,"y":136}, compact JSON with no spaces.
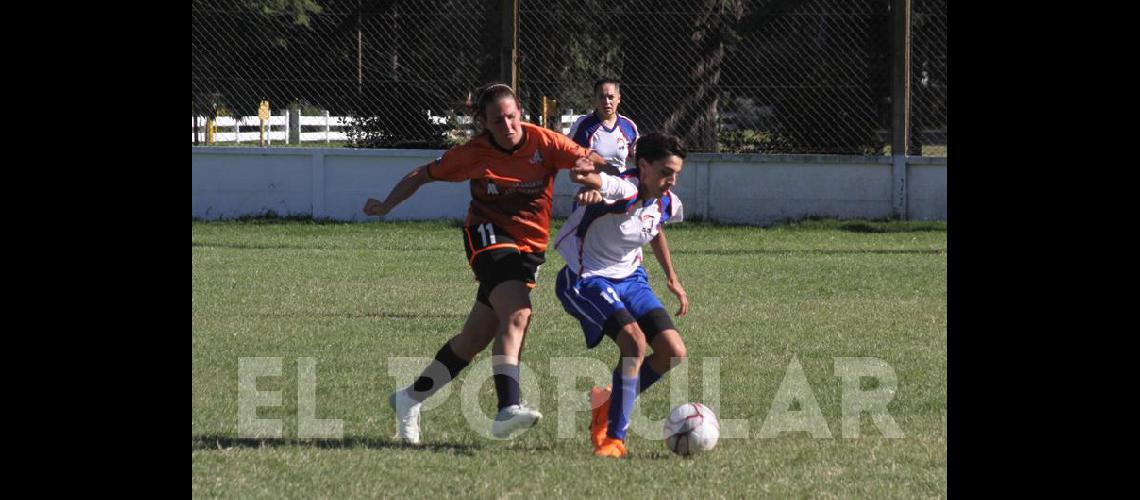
{"x":605,"y":287}
{"x":612,"y":136}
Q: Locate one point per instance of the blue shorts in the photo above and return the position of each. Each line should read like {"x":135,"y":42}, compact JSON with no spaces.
{"x":593,"y":300}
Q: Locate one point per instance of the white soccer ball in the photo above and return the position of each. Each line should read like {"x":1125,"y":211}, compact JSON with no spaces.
{"x":690,"y":429}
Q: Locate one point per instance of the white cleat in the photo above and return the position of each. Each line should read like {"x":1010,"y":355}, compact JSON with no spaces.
{"x":514,"y":418}
{"x":407,"y":416}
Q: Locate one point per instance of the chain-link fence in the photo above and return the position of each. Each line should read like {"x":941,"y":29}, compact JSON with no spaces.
{"x":767,"y":76}
{"x":928,"y":78}
{"x":774,"y":77}
{"x":401,"y":68}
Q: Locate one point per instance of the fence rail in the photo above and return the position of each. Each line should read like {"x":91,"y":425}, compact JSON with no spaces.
{"x":279,"y":128}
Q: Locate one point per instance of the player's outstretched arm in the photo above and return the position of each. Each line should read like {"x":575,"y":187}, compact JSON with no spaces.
{"x":403,"y":190}
{"x":613,"y":189}
{"x":673,"y":281}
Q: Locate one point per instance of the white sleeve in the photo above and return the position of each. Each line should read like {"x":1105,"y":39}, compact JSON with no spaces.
{"x":616,"y":188}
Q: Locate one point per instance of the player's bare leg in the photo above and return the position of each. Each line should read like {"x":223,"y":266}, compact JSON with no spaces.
{"x":478,"y":331}
{"x":668,"y":351}
{"x":511,"y":302}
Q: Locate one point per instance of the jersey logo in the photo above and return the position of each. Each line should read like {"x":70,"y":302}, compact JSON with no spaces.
{"x":536,"y":159}
{"x":648,"y":224}
{"x":491,"y":189}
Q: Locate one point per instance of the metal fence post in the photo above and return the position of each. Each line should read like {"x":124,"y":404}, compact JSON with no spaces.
{"x":295,"y":125}
{"x":900,"y":103}
{"x":326,"y":113}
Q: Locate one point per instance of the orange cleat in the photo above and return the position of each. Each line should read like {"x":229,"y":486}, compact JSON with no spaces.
{"x":611,"y":447}
{"x":599,"y":416}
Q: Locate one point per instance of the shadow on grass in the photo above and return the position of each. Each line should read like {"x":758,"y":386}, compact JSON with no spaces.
{"x":212,"y":442}
{"x":272,"y":219}
{"x":358,"y":315}
{"x":247,"y":246}
{"x":888,"y":227}
{"x":244,"y":246}
{"x":658,"y":455}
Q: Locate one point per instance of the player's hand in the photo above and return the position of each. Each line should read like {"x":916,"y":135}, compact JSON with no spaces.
{"x":375,"y":207}
{"x":588,"y":196}
{"x":675,"y":287}
{"x":582,"y":168}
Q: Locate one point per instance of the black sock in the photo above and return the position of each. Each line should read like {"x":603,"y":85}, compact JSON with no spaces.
{"x":507,"y":385}
{"x":426,"y":385}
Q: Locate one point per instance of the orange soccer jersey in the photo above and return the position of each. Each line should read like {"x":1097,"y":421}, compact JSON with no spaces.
{"x":511,"y":189}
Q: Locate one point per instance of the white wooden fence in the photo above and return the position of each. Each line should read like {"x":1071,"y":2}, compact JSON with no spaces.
{"x":279,"y":128}
{"x":567,"y":120}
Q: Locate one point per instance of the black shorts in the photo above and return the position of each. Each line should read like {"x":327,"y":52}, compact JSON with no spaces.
{"x":495,"y":258}
{"x":651,"y":323}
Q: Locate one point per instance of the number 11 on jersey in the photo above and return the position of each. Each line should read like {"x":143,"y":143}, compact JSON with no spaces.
{"x":487,"y":232}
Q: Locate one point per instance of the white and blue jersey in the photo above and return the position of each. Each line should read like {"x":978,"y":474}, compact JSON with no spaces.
{"x":616,"y":145}
{"x":601,"y":244}
{"x":605,"y":239}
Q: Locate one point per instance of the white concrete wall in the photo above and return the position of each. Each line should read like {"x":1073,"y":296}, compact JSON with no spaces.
{"x":755,"y":189}
{"x":232,"y":182}
{"x":926,"y":189}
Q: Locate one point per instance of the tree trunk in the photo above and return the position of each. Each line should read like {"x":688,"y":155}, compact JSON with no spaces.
{"x":695,"y":118}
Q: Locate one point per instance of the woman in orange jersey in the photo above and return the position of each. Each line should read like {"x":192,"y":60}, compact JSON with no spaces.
{"x":511,"y":167}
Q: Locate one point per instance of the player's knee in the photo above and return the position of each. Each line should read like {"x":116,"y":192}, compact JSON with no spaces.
{"x":678,"y":351}
{"x":634,"y":344}
{"x":674,"y":348}
{"x":518,"y":319}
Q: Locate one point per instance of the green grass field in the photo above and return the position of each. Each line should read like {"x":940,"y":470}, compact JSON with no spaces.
{"x":352,"y":296}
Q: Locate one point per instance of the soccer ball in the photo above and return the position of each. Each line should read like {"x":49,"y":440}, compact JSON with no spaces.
{"x":690,"y":429}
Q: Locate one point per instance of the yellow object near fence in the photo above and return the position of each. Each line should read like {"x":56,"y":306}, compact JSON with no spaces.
{"x":263,"y":116}
{"x":549,"y":107}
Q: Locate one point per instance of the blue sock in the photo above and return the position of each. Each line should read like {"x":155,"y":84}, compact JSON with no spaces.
{"x":647,"y":376}
{"x":621,"y":404}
